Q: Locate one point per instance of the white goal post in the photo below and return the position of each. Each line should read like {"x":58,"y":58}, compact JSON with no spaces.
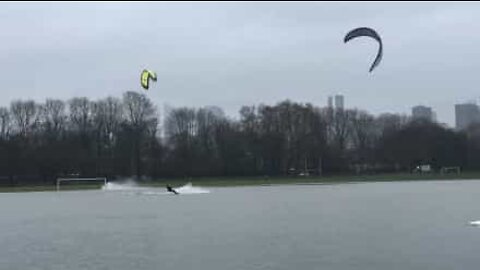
{"x":60,"y":180}
{"x":444,"y":170}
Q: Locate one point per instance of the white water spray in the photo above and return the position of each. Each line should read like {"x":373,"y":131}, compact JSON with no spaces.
{"x":125,"y":186}
{"x":189,"y":189}
{"x":132,"y":187}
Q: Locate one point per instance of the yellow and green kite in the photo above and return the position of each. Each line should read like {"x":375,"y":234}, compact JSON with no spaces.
{"x":147,"y":75}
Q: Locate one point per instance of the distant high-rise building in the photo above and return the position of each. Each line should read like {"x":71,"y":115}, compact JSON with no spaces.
{"x":466,"y":114}
{"x":330,"y":102}
{"x":339,"y":102}
{"x":422,"y":112}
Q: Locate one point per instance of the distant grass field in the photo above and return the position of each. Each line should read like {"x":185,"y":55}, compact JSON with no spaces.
{"x":245,"y":181}
{"x":255,"y":181}
{"x":34,"y":188}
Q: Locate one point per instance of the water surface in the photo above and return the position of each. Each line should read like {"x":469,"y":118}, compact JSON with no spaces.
{"x":393,"y":225}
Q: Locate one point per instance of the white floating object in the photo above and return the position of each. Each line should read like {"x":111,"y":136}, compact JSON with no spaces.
{"x":475,"y":223}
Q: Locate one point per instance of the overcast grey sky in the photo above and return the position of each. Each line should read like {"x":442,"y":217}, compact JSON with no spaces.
{"x":243,"y":53}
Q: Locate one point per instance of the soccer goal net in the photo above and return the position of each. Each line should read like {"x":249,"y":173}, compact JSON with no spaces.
{"x":76,"y":180}
{"x":445,"y":170}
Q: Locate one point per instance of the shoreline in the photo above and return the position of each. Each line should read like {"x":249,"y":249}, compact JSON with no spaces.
{"x":260,"y":181}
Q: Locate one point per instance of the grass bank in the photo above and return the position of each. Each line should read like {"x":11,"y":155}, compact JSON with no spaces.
{"x":253,"y":181}
{"x":35,"y":188}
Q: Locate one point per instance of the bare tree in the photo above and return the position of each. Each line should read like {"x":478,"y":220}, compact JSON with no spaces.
{"x":53,"y":117}
{"x":181,"y":122}
{"x":389,"y":123}
{"x":113,"y":115}
{"x":363,"y":129}
{"x":107,"y":115}
{"x":141,"y":122}
{"x":80,"y":115}
{"x":4,"y":123}
{"x":25,"y":117}
{"x":339,"y":128}
{"x":363,"y":138}
{"x":207,"y":120}
{"x":139,"y":110}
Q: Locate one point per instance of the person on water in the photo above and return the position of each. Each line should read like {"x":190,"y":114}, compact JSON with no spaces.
{"x":170,"y":189}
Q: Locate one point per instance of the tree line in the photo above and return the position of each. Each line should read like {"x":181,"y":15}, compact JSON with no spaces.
{"x":123,"y":137}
